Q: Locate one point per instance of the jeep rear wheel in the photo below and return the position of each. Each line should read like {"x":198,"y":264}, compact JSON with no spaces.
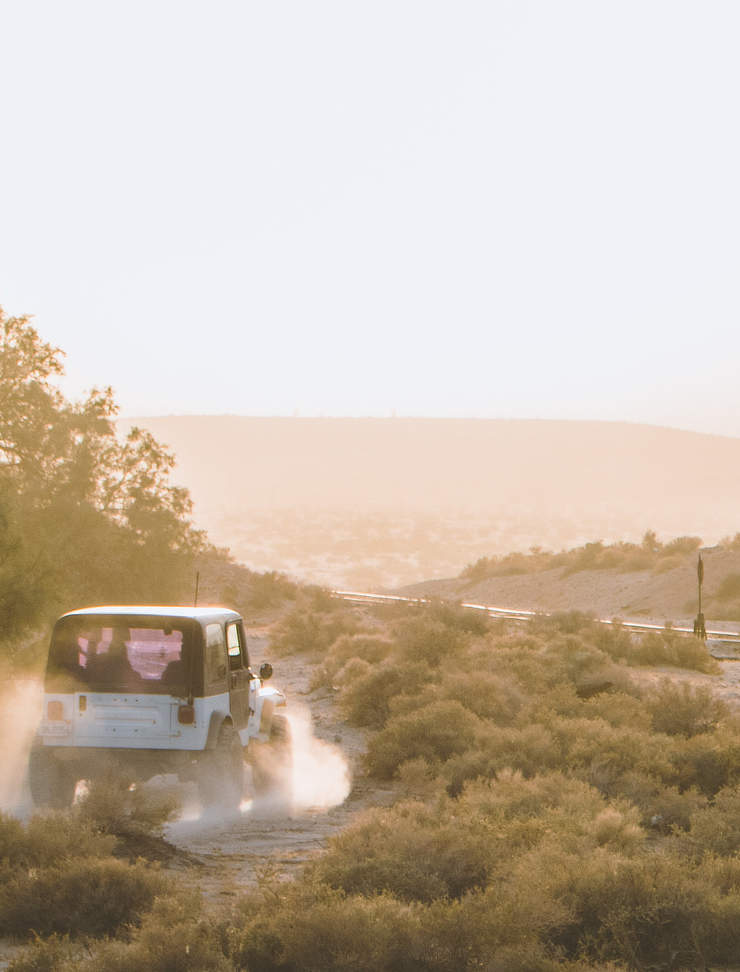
{"x":52,"y":784}
{"x":221,"y":772}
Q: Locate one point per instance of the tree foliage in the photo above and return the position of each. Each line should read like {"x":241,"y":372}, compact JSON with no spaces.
{"x":84,"y":515}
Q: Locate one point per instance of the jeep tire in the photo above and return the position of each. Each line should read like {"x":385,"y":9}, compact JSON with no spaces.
{"x":221,"y":772}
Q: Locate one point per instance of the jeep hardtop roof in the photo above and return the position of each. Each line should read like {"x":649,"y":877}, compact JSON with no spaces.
{"x":157,"y":611}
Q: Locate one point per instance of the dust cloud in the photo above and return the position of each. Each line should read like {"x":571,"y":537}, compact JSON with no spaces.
{"x":316,"y":778}
{"x":320,"y":774}
{"x":20,"y":712}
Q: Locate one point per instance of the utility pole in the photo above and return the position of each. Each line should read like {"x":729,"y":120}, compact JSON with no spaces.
{"x":700,"y":629}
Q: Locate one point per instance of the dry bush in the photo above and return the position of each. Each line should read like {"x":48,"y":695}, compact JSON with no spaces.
{"x":366,"y":698}
{"x":664,"y":809}
{"x":529,"y":750}
{"x":618,"y":709}
{"x":48,"y":839}
{"x":602,"y":753}
{"x":54,"y":954}
{"x":309,"y":928}
{"x":424,"y":638}
{"x":369,"y":648}
{"x":707,"y":762}
{"x":684,"y":710}
{"x":716,"y":828}
{"x":415,"y":852}
{"x":469,"y":620}
{"x":113,"y":806}
{"x":307,"y":629}
{"x":174,"y":937}
{"x":669,"y":648}
{"x":652,"y":910}
{"x":441,"y":730}
{"x":82,"y":897}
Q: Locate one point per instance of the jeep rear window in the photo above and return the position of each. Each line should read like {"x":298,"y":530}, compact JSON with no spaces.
{"x":120,"y":654}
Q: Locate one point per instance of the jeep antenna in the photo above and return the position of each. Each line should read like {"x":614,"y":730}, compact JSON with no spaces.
{"x":197,"y":582}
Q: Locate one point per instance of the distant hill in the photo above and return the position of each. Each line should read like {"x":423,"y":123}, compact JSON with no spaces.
{"x":657,"y":594}
{"x":391,"y":501}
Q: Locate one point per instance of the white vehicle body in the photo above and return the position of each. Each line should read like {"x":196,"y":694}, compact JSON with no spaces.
{"x":154,"y":689}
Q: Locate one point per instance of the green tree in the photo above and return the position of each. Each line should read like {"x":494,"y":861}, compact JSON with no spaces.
{"x":84,"y":515}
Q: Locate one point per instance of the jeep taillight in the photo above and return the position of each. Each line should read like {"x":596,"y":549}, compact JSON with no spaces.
{"x":186,"y":715}
{"x":55,"y":711}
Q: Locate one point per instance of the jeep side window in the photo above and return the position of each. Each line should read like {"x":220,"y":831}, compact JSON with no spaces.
{"x":234,"y":646}
{"x":215,"y":647}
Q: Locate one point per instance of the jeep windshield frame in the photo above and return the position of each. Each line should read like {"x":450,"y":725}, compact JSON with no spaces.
{"x":135,"y":654}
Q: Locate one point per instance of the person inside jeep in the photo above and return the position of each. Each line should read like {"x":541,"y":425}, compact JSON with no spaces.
{"x":113,"y":668}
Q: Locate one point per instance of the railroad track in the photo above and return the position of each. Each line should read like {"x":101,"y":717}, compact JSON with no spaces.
{"x":513,"y":614}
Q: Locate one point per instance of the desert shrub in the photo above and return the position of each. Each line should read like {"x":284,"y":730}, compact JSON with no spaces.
{"x":618,"y":709}
{"x":729,"y":588}
{"x":682,"y":709}
{"x":708,"y":762}
{"x":365,"y":699}
{"x":716,"y":828}
{"x":54,"y":954}
{"x":269,"y":589}
{"x":82,"y":897}
{"x":309,"y":928}
{"x":589,"y":669}
{"x":489,"y":696}
{"x":562,"y":622}
{"x":369,"y":648}
{"x":424,"y":638}
{"x":520,"y":659}
{"x":113,"y":806}
{"x":602,"y":753}
{"x":663,"y":809}
{"x":441,"y":730}
{"x":683,"y":546}
{"x":470,"y":620}
{"x":529,"y":750}
{"x":354,"y":669}
{"x":613,"y":639}
{"x":651,"y":910}
{"x":416,"y":852}
{"x":308,"y":630}
{"x":493,"y":697}
{"x":670,"y":648}
{"x":48,"y":839}
{"x":175,"y":935}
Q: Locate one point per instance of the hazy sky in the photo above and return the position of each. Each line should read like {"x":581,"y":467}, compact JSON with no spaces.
{"x":506,"y":209}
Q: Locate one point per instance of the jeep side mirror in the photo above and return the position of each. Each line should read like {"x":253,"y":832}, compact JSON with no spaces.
{"x":265,"y":671}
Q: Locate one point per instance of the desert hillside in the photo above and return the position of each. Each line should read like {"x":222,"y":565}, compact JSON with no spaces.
{"x":655,"y":594}
{"x":383,"y":502}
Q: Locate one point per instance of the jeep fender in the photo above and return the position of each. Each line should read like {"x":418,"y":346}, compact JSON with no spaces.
{"x":268,"y":699}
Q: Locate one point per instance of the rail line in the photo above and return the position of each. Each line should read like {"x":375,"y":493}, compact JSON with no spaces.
{"x":514,"y":614}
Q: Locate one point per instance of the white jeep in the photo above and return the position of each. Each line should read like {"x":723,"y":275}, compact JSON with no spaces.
{"x":148,"y":690}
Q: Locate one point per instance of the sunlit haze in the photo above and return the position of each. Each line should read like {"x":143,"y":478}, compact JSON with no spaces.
{"x":498,"y":209}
